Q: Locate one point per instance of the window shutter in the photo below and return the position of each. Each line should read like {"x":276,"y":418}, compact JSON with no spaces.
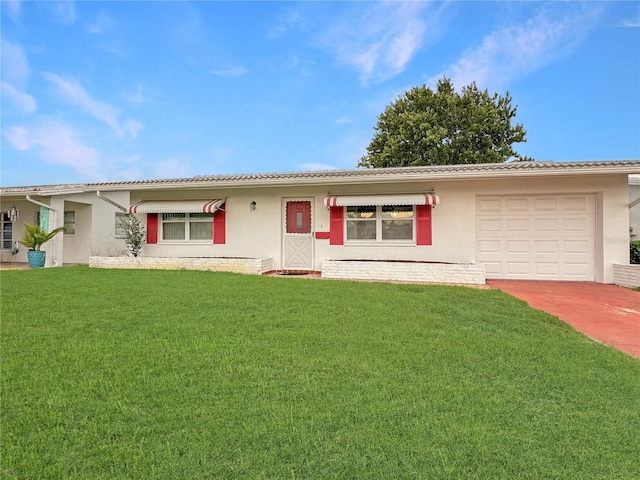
{"x":336,"y":226}
{"x":152,"y":228}
{"x":424,"y":234}
{"x":219,"y":227}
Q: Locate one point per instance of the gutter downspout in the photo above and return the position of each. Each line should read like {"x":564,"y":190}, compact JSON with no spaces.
{"x":108,"y":200}
{"x":634,"y":203}
{"x":29,"y":199}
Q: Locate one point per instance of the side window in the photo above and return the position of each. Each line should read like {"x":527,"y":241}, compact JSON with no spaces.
{"x":119,"y":230}
{"x":6,"y":231}
{"x":70,"y":223}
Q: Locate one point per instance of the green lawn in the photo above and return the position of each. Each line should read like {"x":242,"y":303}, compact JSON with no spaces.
{"x":112,"y":374}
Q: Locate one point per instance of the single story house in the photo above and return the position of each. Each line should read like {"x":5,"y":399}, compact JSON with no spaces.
{"x":517,"y":220}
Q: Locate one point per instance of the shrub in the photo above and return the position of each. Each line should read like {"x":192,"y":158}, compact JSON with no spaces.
{"x":133,"y":234}
{"x":635,"y":252}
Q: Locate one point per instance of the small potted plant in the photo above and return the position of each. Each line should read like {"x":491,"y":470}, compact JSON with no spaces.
{"x":34,"y":237}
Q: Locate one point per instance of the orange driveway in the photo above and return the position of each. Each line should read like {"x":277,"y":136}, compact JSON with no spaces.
{"x":606,"y":313}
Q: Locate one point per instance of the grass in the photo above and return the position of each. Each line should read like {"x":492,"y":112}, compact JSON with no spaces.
{"x":112,"y":374}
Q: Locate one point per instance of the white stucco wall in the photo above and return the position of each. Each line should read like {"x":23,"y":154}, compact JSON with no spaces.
{"x":95,"y":227}
{"x":259,"y":233}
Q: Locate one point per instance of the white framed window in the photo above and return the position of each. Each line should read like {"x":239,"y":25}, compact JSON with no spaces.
{"x":70,"y":223}
{"x":121,"y":218}
{"x":380,"y":223}
{"x":186,"y":227}
{"x":6,"y":230}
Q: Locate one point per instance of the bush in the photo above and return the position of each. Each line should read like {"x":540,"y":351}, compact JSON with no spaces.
{"x":133,"y":234}
{"x":635,"y":252}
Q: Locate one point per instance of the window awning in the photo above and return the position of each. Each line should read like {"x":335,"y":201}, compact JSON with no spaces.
{"x":368,"y":200}
{"x":176,"y":206}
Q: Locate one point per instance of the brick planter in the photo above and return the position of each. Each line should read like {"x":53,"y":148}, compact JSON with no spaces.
{"x":251,"y":266}
{"x":405,"y":271}
{"x":626,"y":275}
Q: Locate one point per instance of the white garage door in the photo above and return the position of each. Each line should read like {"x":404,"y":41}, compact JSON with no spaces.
{"x":537,"y":237}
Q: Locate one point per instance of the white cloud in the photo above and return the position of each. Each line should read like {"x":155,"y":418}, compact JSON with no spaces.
{"x":380,"y":41}
{"x":631,"y":22}
{"x":63,"y":11}
{"x":22,"y":100}
{"x":74,"y":93}
{"x":13,"y":7}
{"x":553,"y":33}
{"x":101,"y":25}
{"x":133,"y":127}
{"x":137,"y":98}
{"x":18,"y":137}
{"x":230,"y":71}
{"x":58,"y":144}
{"x":15,"y":66}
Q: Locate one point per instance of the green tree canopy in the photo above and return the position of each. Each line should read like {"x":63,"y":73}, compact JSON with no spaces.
{"x":423,"y":127}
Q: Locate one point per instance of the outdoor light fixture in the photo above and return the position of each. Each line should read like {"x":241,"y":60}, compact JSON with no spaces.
{"x":252,"y":206}
{"x":13,"y":213}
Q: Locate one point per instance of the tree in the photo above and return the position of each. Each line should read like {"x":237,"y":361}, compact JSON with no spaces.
{"x":423,"y":127}
{"x":133,"y":234}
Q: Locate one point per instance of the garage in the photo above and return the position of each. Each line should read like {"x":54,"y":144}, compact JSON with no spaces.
{"x":537,"y":237}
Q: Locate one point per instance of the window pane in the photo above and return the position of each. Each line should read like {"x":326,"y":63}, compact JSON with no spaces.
{"x":173,"y":216}
{"x":120,"y":231}
{"x":361,"y":230}
{"x":397,"y":211}
{"x":201,"y":231}
{"x":198,"y":216}
{"x":361,"y":212}
{"x":172,"y":231}
{"x":70,"y":223}
{"x":397,"y":229}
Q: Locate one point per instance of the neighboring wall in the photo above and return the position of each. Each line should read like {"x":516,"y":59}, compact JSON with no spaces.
{"x":95,"y":227}
{"x":634,"y":213}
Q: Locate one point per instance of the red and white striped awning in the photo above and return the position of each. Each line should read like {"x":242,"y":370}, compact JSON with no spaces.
{"x":177,"y":206}
{"x":368,"y":200}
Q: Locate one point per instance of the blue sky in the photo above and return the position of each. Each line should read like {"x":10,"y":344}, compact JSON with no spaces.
{"x":95,"y":91}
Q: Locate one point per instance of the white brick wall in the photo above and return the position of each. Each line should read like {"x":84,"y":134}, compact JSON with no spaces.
{"x":626,"y":275}
{"x":468,"y":273}
{"x":251,"y":266}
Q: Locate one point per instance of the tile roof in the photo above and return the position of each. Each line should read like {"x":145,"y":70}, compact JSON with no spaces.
{"x":360,"y":175}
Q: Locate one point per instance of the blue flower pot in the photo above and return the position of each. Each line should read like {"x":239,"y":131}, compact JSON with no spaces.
{"x":36,"y":258}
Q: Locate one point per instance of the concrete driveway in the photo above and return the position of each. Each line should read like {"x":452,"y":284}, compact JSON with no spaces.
{"x":606,"y":313}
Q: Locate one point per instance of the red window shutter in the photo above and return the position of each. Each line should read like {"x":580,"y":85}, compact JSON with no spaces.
{"x":336,"y":226}
{"x":424,"y":232}
{"x":152,"y":228}
{"x":219,"y":227}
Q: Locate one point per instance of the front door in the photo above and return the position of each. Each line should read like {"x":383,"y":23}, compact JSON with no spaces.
{"x":298,"y":238}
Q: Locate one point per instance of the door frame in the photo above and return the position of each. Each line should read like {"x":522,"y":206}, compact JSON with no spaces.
{"x":285,"y":235}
